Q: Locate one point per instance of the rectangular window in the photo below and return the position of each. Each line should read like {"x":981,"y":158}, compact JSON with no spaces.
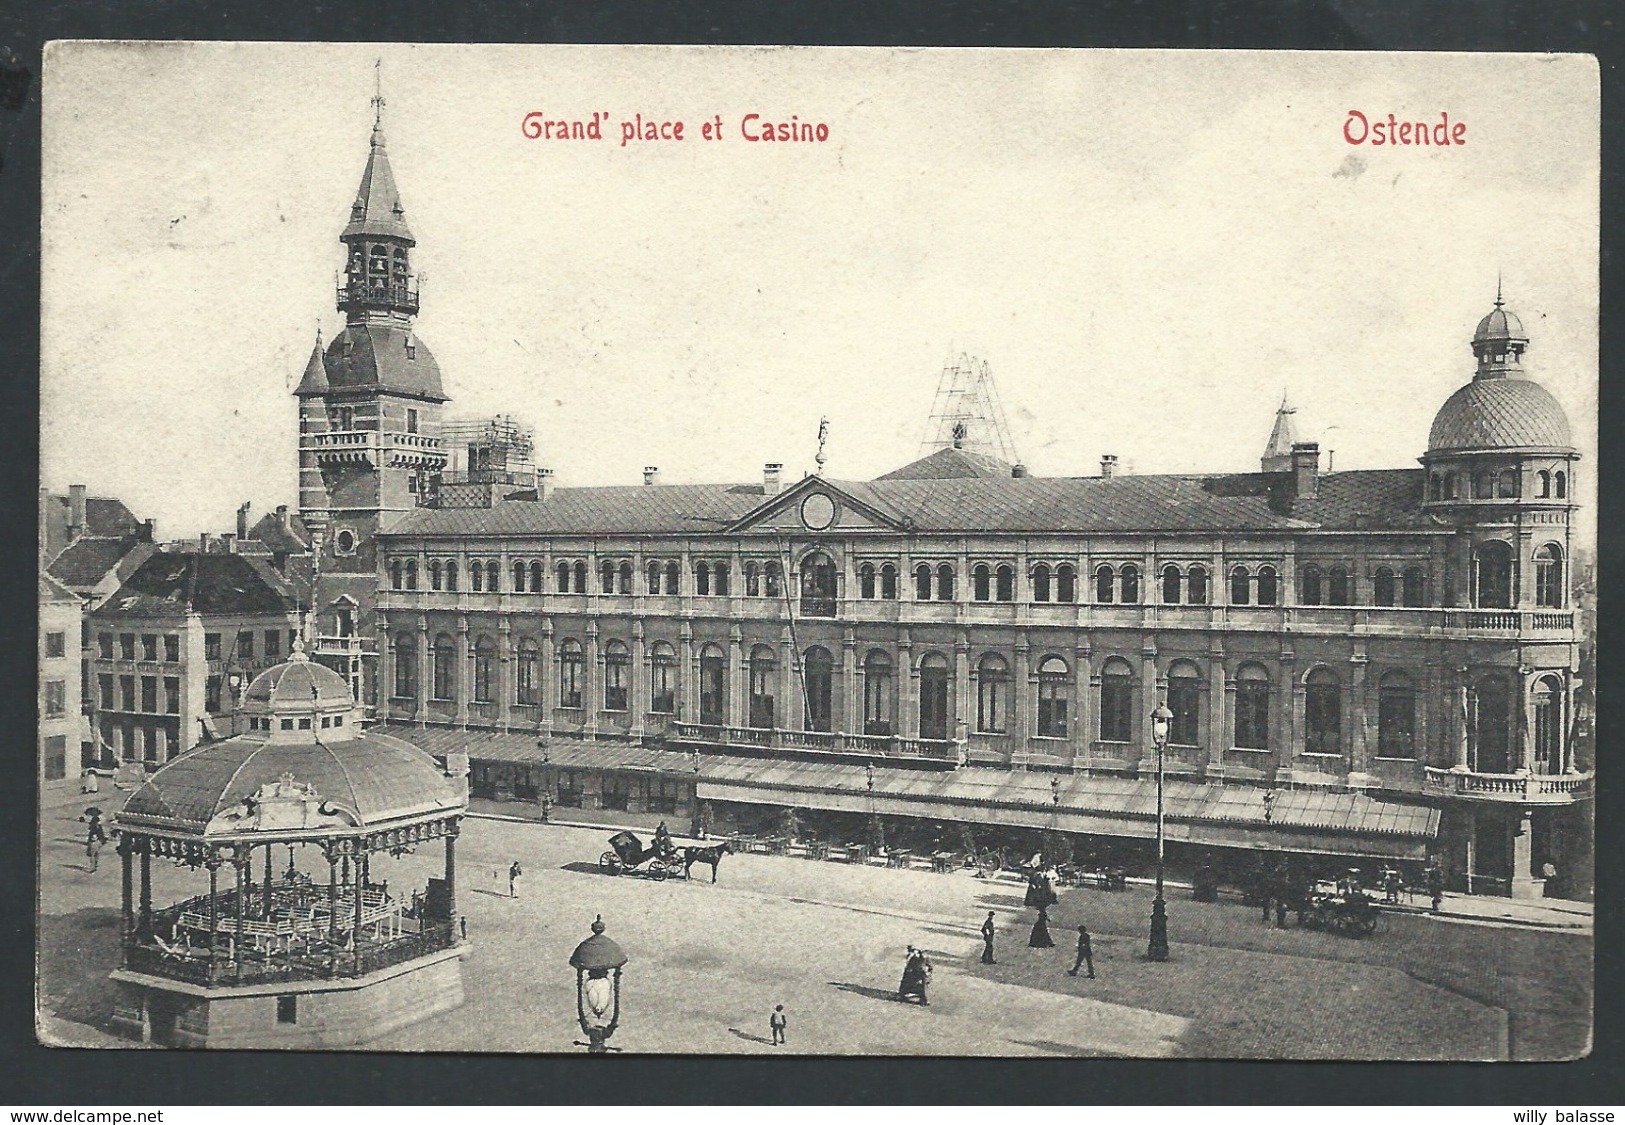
{"x":1116,"y":708}
{"x":104,"y":645}
{"x":211,"y":694}
{"x":287,"y":1009}
{"x":211,"y":646}
{"x":149,"y":743}
{"x":149,"y":647}
{"x":172,"y":649}
{"x":662,"y":698}
{"x":1052,"y":701}
{"x":56,"y":644}
{"x":104,"y":688}
{"x":56,"y":757}
{"x":411,"y":415}
{"x":245,"y":645}
{"x":273,"y":642}
{"x":56,"y":697}
{"x":570,"y":680}
{"x":1252,"y":715}
{"x":1184,"y":700}
{"x":126,"y":646}
{"x":616,"y":670}
{"x":126,"y":692}
{"x":172,"y":695}
{"x":149,"y":694}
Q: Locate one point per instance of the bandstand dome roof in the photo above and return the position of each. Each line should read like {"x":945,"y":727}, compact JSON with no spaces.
{"x":300,"y":681}
{"x":1499,"y":324}
{"x":1510,"y":413}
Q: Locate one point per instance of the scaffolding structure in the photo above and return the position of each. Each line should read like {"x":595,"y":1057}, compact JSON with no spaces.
{"x":499,"y":450}
{"x":967,"y":414}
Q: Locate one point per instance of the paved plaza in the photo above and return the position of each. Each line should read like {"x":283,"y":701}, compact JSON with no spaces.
{"x":826,"y":940}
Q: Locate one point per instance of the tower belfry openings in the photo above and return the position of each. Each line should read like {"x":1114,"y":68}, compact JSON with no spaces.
{"x":966,"y":413}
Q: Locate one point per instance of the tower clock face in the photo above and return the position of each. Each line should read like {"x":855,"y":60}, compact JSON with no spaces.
{"x":817,"y":512}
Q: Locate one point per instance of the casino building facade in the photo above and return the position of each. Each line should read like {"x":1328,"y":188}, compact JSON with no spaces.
{"x":1366,"y":663}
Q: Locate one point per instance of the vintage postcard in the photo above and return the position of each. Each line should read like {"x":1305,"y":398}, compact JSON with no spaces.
{"x":818,"y":551}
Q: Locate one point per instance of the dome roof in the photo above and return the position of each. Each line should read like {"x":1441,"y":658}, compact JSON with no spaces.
{"x":1499,"y":414}
{"x":300,"y":682}
{"x":229,"y":788}
{"x":1499,"y":325}
{"x":376,"y":357}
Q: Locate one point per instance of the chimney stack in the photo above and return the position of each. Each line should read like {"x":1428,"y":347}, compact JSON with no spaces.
{"x":148,"y":530}
{"x":76,"y":511}
{"x":1305,"y":469}
{"x":1108,"y":465}
{"x":651,"y":474}
{"x":1018,"y":471}
{"x":770,"y":478}
{"x":242,"y":520}
{"x":228,"y":544}
{"x":203,"y":543}
{"x":281,"y":516}
{"x":544,"y":483}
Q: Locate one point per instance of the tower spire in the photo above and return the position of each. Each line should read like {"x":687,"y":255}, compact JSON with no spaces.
{"x":1278,"y":451}
{"x":1498,"y":301}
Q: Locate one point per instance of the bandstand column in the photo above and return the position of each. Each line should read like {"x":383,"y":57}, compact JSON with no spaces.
{"x":240,"y":859}
{"x":332,"y":907}
{"x":355,"y":918}
{"x":144,"y":923}
{"x":451,"y":874}
{"x":126,"y":851}
{"x":267,"y":897}
{"x":213,"y":864}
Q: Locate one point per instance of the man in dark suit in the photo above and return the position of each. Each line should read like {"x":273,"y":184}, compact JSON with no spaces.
{"x":988,"y":930}
{"x":1086,"y":954}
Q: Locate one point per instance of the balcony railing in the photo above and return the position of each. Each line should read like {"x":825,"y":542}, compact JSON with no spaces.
{"x":319,"y":961}
{"x":369,"y":445}
{"x":1521,"y":788}
{"x":827,"y":742}
{"x":359,"y":295}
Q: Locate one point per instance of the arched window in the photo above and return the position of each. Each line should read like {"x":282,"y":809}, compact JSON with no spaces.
{"x":1489,"y":737}
{"x":571,"y":663}
{"x":1493,"y":566}
{"x":1549,"y":576}
{"x":606,"y":576}
{"x":818,"y":668}
{"x":1311,"y":592}
{"x":493,"y":576}
{"x":581,"y":576}
{"x":476,"y":576}
{"x":435,"y":582}
{"x":519,"y":578}
{"x":563,"y":578}
{"x":888,"y":581}
{"x":1323,"y":713}
{"x":1435,"y":487}
{"x":1116,"y":701}
{"x":1269,"y":591}
{"x":617,"y":673}
{"x":753,"y":580}
{"x":877,"y":693}
{"x":1170,"y":584}
{"x":451,"y":576}
{"x":764,"y":674}
{"x":1252,"y":708}
{"x":406,"y":666}
{"x":411,"y":574}
{"x":980,"y":580}
{"x":720,"y":579}
{"x":662,"y":679}
{"x":1560,"y":484}
{"x":1185,"y":701}
{"x":652,"y":577}
{"x":818,"y":585}
{"x":702,"y":578}
{"x":1066,"y":583}
{"x":1413,"y":591}
{"x":674,"y":577}
{"x":1548,"y":748}
{"x":1004,"y":584}
{"x":866,"y":580}
{"x":1506,"y":485}
{"x":934,"y":696}
{"x":1483,"y":485}
{"x":922,"y":582}
{"x":1196,"y":585}
{"x":1383,"y":586}
{"x":445,"y":667}
{"x":485,"y":658}
{"x":1054,"y":697}
{"x":713,"y":687}
{"x":945,"y":583}
{"x":773,"y":580}
{"x":395,"y":582}
{"x":535,"y":577}
{"x":1396,"y":716}
{"x":1339,"y":587}
{"x":1543,"y":484}
{"x":1041,"y":582}
{"x":992,"y":694}
{"x":526,"y":687}
{"x":1241,"y":586}
{"x":1129,"y":577}
{"x":1105,"y":585}
{"x":1450,"y":488}
{"x":625,"y":575}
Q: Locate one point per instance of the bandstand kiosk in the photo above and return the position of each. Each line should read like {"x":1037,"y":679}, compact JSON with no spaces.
{"x":322,"y":954}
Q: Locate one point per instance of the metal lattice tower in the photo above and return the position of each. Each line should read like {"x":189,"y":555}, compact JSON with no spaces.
{"x":966,"y":413}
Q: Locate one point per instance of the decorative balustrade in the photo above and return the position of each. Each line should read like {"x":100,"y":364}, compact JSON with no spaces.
{"x":828,"y":742}
{"x":403,"y":297}
{"x":1528,"y":788}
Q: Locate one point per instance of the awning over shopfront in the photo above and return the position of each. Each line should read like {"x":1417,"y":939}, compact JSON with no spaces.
{"x":564,"y":751}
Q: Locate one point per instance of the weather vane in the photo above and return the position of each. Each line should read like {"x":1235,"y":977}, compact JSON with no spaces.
{"x":378,"y":90}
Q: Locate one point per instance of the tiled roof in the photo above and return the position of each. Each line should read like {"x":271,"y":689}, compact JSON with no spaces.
{"x":377,"y":208}
{"x":292,"y":540}
{"x":87,"y":560}
{"x":1233,"y":502}
{"x":1506,"y":413}
{"x":373,"y":777}
{"x":375,"y":357}
{"x":950,"y":463}
{"x":208,"y":584}
{"x":50,"y":590}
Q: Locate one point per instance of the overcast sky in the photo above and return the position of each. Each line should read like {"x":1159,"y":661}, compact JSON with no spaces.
{"x":1147,"y":247}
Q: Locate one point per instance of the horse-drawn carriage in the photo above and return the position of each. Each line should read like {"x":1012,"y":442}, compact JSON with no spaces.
{"x":666,"y":857}
{"x":1341,"y":910}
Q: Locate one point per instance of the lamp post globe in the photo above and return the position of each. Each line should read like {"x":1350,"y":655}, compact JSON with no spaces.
{"x":598,"y":962}
{"x":1157,"y":948}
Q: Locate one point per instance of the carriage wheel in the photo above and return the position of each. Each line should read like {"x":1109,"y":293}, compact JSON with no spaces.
{"x":610,"y":863}
{"x":657,"y":870}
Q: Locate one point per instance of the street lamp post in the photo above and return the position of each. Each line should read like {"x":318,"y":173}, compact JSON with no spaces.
{"x":1157,"y":950}
{"x":598,"y":962}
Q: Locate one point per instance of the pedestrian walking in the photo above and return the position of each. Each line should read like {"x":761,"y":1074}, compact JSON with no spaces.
{"x":777,"y":1023}
{"x":91,"y":783}
{"x":1086,"y":954}
{"x":514,"y":873}
{"x":916,"y":975}
{"x":988,"y":930}
{"x":1040,"y":938}
{"x":1435,"y":882}
{"x":93,"y":850}
{"x":462,"y":923}
{"x":1280,"y":912}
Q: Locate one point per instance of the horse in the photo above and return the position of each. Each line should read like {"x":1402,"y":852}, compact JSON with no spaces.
{"x":711,"y":854}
